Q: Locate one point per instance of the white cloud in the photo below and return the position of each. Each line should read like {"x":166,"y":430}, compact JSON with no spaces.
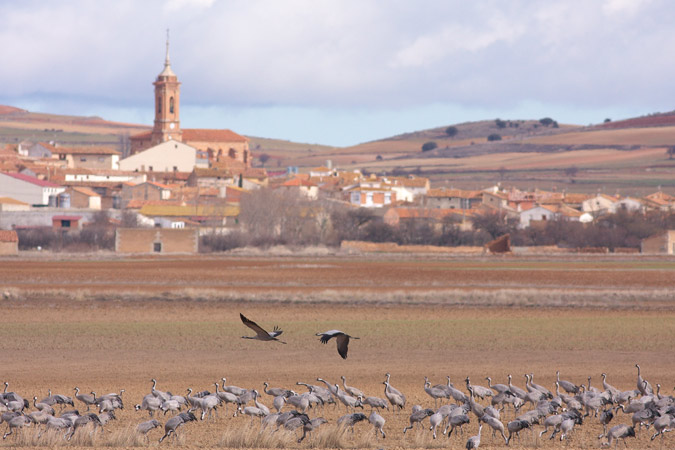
{"x":345,"y":54}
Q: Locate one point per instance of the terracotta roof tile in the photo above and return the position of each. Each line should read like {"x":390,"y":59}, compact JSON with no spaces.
{"x":206,"y":135}
{"x":8,"y":236}
{"x":29,"y":179}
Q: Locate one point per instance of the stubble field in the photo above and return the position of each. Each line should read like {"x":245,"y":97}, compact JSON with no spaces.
{"x":109,"y":324}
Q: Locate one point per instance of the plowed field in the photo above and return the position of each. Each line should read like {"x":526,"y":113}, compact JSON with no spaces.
{"x":109,"y":324}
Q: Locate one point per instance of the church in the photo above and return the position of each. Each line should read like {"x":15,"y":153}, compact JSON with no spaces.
{"x":224,"y":147}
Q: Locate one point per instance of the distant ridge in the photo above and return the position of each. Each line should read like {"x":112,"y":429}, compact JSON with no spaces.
{"x":4,"y":109}
{"x":653,"y":120}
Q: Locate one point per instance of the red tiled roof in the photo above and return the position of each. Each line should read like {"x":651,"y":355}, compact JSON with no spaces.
{"x":8,"y":236}
{"x":86,"y":151}
{"x":298,"y":182}
{"x":66,"y":218}
{"x":29,"y":179}
{"x":143,"y":135}
{"x":49,"y":147}
{"x":207,"y":135}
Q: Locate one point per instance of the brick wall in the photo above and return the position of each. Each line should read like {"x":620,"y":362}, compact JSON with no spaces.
{"x":156,"y":240}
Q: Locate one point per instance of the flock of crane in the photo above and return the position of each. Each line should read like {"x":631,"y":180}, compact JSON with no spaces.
{"x":558,"y":412}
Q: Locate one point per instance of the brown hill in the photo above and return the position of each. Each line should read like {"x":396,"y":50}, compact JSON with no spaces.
{"x":629,"y":155}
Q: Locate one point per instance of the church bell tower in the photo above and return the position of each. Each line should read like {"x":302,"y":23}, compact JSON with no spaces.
{"x":167,"y":104}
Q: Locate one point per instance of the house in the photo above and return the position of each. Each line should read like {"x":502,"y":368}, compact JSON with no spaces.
{"x":659,"y":201}
{"x":149,"y":190}
{"x":303,"y":187}
{"x":169,"y":156}
{"x":9,"y":204}
{"x":156,"y":240}
{"x":66,"y":223}
{"x":662,"y":243}
{"x":89,"y":157}
{"x":28,"y":189}
{"x":452,"y":199}
{"x":171,"y":216}
{"x":371,"y":197}
{"x":84,"y":197}
{"x":542,"y":213}
{"x":211,"y":177}
{"x":9,"y":243}
{"x":599,"y":204}
{"x":626,"y":204}
{"x":495,"y":199}
{"x":322,"y":171}
{"x":41,"y":150}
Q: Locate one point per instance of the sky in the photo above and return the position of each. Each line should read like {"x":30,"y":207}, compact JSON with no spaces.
{"x":341,"y":72}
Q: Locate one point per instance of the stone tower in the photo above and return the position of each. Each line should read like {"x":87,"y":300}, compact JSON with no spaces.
{"x":167,"y":104}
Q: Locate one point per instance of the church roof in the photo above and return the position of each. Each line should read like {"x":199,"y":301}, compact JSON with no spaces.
{"x":207,"y":135}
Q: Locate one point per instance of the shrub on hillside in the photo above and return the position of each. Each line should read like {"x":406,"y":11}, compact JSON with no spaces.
{"x":451,"y":131}
{"x":427,"y":146}
{"x":494,"y":137}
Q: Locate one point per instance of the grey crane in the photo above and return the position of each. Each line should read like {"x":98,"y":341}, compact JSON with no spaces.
{"x":160,"y":394}
{"x":84,"y":420}
{"x":418,"y":417}
{"x":346,"y":399}
{"x":342,"y":339}
{"x":435,"y":420}
{"x":260,"y":333}
{"x":515,"y":427}
{"x":608,"y":387}
{"x":645,"y":389}
{"x":236,"y":390}
{"x":567,"y":386}
{"x":19,"y":421}
{"x":539,"y":387}
{"x":324,"y":394}
{"x":87,"y":399}
{"x":351,"y":390}
{"x":43,"y":407}
{"x":225,"y":397}
{"x":349,"y":420}
{"x":618,"y":432}
{"x":495,"y":424}
{"x":434,"y":393}
{"x":516,"y":390}
{"x":456,"y":421}
{"x":150,"y":404}
{"x":474,"y":441}
{"x":377,"y":421}
{"x":396,"y":400}
{"x":662,"y":425}
{"x":479,"y":391}
{"x":172,"y":425}
{"x":605,"y":418}
{"x":145,"y":427}
{"x":500,"y":388}
{"x":274,"y":392}
{"x":376,"y":402}
{"x":309,"y":425}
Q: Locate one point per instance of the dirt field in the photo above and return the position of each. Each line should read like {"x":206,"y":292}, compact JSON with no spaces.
{"x":109,"y":324}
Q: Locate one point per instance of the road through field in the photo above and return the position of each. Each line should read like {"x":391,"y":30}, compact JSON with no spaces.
{"x":104,"y":325}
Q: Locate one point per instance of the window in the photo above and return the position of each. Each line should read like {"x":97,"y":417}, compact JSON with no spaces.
{"x":159,"y":104}
{"x":175,"y":168}
{"x":171,"y":105}
{"x":149,"y":168}
{"x":82,"y":158}
{"x":157,"y":247}
{"x":65,"y":224}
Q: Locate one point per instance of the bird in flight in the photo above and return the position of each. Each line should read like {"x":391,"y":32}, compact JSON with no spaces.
{"x":341,"y":338}
{"x":260,"y":333}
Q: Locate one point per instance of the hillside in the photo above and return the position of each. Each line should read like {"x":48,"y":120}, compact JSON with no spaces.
{"x":628,"y":155}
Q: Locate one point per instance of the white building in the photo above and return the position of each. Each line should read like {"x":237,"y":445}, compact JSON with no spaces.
{"x":599,"y":204}
{"x":27,"y":189}
{"x":169,"y":156}
{"x":626,"y":204}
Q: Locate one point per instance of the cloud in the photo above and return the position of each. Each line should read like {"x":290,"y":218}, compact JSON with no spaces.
{"x":344,"y":54}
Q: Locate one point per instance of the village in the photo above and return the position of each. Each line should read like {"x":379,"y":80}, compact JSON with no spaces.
{"x":174,"y":189}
